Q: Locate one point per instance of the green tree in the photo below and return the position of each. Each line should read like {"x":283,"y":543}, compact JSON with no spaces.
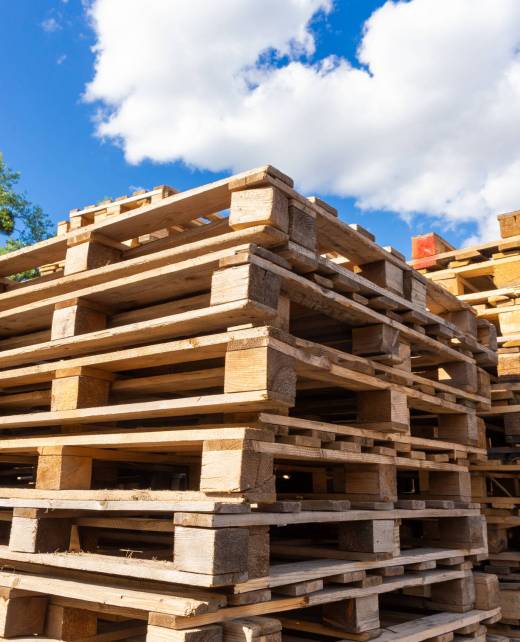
{"x":11,"y":203}
{"x":19,"y":216}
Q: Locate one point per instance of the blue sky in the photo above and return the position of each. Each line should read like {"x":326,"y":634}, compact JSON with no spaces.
{"x":48,"y":134}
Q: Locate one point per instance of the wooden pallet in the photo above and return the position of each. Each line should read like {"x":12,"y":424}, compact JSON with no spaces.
{"x":350,"y":610}
{"x":407,"y":626}
{"x":231,"y":404}
{"x":259,"y":540}
{"x":488,"y":277}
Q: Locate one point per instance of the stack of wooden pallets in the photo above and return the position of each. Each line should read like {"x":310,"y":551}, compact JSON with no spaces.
{"x":228,"y":415}
{"x":488,"y":277}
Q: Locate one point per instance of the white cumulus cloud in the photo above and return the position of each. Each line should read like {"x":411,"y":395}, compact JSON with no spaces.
{"x":427,"y":120}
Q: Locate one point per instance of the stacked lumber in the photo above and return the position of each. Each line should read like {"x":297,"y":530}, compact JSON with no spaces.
{"x":228,"y":415}
{"x":487,"y":276}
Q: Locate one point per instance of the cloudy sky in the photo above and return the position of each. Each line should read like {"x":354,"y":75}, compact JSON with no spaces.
{"x":405,"y":115}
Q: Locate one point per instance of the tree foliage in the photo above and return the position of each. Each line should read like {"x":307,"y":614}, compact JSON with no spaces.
{"x":11,"y":203}
{"x":19,"y":217}
{"x":17,"y":214}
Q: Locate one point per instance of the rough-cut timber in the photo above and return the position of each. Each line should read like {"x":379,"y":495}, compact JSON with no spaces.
{"x":487,"y":276}
{"x":229,"y":416}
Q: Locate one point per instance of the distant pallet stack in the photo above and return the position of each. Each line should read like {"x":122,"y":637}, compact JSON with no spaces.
{"x":487,"y":276}
{"x":228,"y":415}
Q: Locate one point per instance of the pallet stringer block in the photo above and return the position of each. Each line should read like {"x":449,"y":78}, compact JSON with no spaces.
{"x":63,"y":468}
{"x":81,"y":387}
{"x":244,"y":281}
{"x":69,"y":623}
{"x":459,"y":374}
{"x":269,"y":206}
{"x":235,"y":466}
{"x":211,"y":551}
{"x":376,"y":536}
{"x":374,"y":340}
{"x":367,"y":482}
{"x":451,"y":485}
{"x":385,"y":410}
{"x":465,"y":428}
{"x":260,"y":206}
{"x":88,"y":251}
{"x":21,"y":613}
{"x":37,"y":531}
{"x":385,"y":274}
{"x":355,"y":615}
{"x":464,"y":532}
{"x":456,"y":595}
{"x":452,"y":282}
{"x":254,"y":365}
{"x":77,"y":316}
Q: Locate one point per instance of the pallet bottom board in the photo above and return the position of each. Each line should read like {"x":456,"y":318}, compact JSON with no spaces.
{"x":188,"y":608}
{"x":281,"y":574}
{"x":415,"y":630}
